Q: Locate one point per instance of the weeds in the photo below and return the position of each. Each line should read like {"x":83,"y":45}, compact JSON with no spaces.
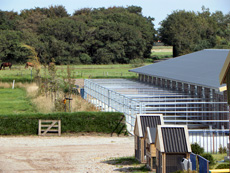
{"x":127,"y":164}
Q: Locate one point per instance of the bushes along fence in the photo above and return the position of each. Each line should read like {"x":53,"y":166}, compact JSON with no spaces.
{"x":27,"y":124}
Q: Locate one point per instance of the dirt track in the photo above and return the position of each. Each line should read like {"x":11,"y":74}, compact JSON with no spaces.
{"x":62,"y":154}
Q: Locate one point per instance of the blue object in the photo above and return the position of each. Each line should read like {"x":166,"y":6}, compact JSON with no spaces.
{"x":203,"y":165}
{"x":193,"y":160}
{"x":82,"y":92}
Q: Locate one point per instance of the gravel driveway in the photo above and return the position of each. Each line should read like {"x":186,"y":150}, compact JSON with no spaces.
{"x":62,"y":154}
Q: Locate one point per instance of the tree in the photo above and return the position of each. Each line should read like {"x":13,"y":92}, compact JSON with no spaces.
{"x":223,"y":30}
{"x":188,"y":32}
{"x":197,"y":149}
{"x":180,"y":31}
{"x":113,"y":35}
{"x":8,"y":20}
{"x":10,"y":47}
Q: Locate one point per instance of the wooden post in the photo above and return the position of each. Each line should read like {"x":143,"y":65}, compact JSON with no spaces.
{"x":31,"y":74}
{"x":69,"y":106}
{"x":163,"y":163}
{"x":59,"y":128}
{"x":13,"y":84}
{"x":39,"y":127}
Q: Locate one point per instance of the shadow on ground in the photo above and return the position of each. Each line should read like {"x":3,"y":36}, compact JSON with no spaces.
{"x":127,"y":164}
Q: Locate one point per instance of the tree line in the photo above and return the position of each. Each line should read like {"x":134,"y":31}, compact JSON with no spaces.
{"x":189,"y":31}
{"x":89,"y":36}
{"x":103,"y":36}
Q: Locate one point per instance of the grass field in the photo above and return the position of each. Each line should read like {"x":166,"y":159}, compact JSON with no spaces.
{"x":14,"y":101}
{"x":218,"y":157}
{"x":159,"y":52}
{"x":162,"y":47}
{"x":20,"y":74}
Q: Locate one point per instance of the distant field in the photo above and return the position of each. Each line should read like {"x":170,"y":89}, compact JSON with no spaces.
{"x":162,"y":47}
{"x":14,"y":101}
{"x":20,"y":74}
{"x":159,"y":52}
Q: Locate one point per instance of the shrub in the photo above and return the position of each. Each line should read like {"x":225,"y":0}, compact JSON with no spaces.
{"x":136,"y":62}
{"x":27,"y":124}
{"x":197,"y":149}
{"x":224,"y":150}
{"x":209,"y":157}
{"x":85,"y":59}
{"x":220,"y":149}
{"x":223,"y":166}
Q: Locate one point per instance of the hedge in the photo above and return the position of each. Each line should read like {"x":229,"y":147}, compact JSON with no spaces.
{"x":223,"y":166}
{"x":17,"y":79}
{"x":27,"y":124}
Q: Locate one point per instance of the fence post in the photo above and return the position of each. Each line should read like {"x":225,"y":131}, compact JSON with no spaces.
{"x":59,"y":128}
{"x":31,"y":74}
{"x":39,"y":127}
{"x":13,"y":84}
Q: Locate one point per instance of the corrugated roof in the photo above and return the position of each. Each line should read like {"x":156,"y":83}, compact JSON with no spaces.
{"x":153,"y":132}
{"x":174,"y":139}
{"x":200,"y":68}
{"x":149,"y":121}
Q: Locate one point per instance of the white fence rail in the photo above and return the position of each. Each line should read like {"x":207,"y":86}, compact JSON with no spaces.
{"x":105,"y":96}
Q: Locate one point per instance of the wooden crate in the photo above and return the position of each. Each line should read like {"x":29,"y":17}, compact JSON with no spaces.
{"x":49,"y":127}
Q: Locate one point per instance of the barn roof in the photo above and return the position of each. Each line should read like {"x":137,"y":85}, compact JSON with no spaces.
{"x":147,"y":120}
{"x":174,"y":139}
{"x":151,"y":132}
{"x":199,"y":68}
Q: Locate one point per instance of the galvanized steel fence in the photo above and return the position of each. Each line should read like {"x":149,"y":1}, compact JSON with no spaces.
{"x":132,"y":98}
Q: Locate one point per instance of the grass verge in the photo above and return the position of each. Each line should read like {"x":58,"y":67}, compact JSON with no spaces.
{"x":218,"y":158}
{"x":127,"y":164}
{"x":15,"y":101}
{"x":20,"y":74}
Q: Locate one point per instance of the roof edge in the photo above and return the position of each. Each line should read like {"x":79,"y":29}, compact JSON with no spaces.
{"x":212,"y":87}
{"x":225,"y":68}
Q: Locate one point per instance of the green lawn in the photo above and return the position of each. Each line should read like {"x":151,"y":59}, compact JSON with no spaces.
{"x":217,"y":158}
{"x":14,"y":101}
{"x":20,"y":74}
{"x":162,"y":47}
{"x":161,"y":54}
{"x":96,"y":71}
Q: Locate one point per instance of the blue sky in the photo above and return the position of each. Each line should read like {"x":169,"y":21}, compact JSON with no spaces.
{"x":159,"y":9}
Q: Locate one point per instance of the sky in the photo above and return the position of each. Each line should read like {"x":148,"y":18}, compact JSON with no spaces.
{"x":158,"y":9}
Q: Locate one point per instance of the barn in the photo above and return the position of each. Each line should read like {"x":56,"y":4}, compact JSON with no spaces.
{"x":185,"y":89}
{"x":196,"y":74}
